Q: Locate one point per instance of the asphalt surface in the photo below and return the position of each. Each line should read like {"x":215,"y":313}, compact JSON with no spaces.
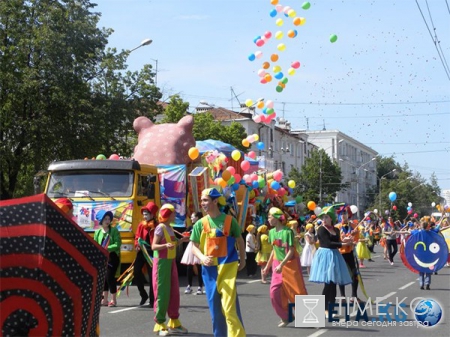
{"x":382,"y":281}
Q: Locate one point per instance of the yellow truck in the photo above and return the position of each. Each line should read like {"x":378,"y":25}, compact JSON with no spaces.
{"x":120,"y":186}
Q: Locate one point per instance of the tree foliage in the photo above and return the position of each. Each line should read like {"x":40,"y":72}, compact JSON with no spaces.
{"x":310,"y":182}
{"x":62,"y":94}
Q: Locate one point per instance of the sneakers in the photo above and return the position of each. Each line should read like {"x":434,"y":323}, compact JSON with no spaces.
{"x":428,"y":287}
{"x":112,"y":304}
{"x":421,"y":288}
{"x":199,"y":291}
{"x":179,"y":330}
{"x":362,"y":266}
{"x":162,"y":333}
{"x":392,"y":263}
{"x":283,"y":324}
{"x":188,"y":290}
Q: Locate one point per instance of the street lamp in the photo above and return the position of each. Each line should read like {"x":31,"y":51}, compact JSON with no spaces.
{"x":379,"y":194}
{"x":417,"y":186}
{"x":357,"y":183}
{"x":320,"y":170}
{"x":145,"y":42}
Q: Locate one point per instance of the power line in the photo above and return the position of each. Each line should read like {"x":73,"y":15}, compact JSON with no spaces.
{"x":375,"y":116}
{"x":434,"y":42}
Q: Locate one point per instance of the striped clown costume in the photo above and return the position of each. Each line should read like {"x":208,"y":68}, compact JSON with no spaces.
{"x":165,"y":276}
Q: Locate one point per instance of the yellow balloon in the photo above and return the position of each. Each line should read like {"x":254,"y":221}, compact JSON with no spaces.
{"x":276,"y":69}
{"x":279,"y":35}
{"x":291,"y":183}
{"x":236,"y":155}
{"x":291,"y":71}
{"x":281,"y":47}
{"x":302,"y":21}
{"x":248,"y":102}
{"x":291,"y":13}
{"x":193,"y":153}
{"x":279,"y":22}
{"x":256,"y":137}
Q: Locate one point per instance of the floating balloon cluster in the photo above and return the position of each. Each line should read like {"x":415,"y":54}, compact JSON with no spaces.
{"x":266,"y":74}
{"x":266,"y":116}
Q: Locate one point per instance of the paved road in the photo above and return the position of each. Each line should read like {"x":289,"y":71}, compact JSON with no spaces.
{"x":381,"y":280}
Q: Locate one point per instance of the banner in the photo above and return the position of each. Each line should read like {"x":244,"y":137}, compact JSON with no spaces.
{"x":173,"y":188}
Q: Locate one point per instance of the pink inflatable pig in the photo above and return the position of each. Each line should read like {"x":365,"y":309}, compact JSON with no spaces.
{"x":163,"y":144}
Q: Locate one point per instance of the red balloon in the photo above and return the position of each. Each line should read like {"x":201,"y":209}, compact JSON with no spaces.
{"x":394,"y":208}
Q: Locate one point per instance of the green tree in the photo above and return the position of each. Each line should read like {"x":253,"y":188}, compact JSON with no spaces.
{"x":175,"y":110}
{"x":62,"y":95}
{"x":311,"y":181}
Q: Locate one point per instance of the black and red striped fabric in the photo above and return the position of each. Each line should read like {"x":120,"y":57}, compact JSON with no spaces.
{"x":51,"y":272}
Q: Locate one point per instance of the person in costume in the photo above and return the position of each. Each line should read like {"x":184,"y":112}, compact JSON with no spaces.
{"x":328,"y":265}
{"x":165,"y":275}
{"x":109,"y":238}
{"x":264,"y":250}
{"x":215,"y":237}
{"x":362,"y":250}
{"x":190,"y":260}
{"x":145,"y":231}
{"x":287,"y":278}
{"x":348,"y":230}
{"x":309,"y":249}
{"x":250,"y":251}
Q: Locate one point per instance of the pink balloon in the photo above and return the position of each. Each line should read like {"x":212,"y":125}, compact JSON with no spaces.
{"x":279,"y":8}
{"x":416,"y":215}
{"x":257,"y":118}
{"x":252,"y":154}
{"x":231,"y":169}
{"x":237,"y":177}
{"x":254,"y":177}
{"x":281,"y":191}
{"x":260,"y":43}
{"x":263,"y":118}
{"x":261,"y":73}
{"x":114,"y":157}
{"x":410,"y":211}
{"x":278,"y":175}
{"x":268,"y":35}
{"x":258,"y":54}
{"x":295,"y":64}
{"x":245,"y":165}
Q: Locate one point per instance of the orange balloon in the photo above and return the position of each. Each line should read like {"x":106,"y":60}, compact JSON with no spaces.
{"x":226,"y":175}
{"x":311,"y":205}
{"x":274,"y":57}
{"x":193,"y":153}
{"x":281,"y":84}
{"x":268,"y":77}
{"x":245,"y":142}
{"x":297,"y":21}
{"x":274,"y":2}
{"x":222,"y":183}
{"x":266,"y":65}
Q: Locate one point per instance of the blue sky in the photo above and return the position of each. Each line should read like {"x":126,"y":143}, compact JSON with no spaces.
{"x":382,"y":83}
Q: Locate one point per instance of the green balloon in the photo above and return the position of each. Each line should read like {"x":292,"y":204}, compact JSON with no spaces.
{"x":333,"y":38}
{"x":298,"y":199}
{"x":279,"y":88}
{"x":101,"y":157}
{"x":306,"y":5}
{"x":261,"y":182}
{"x":284,"y":80}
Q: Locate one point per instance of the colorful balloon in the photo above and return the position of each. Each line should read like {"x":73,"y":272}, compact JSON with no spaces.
{"x":245,"y":143}
{"x":311,"y":205}
{"x":292,"y":33}
{"x":236,"y":155}
{"x":333,"y":38}
{"x":306,"y":5}
{"x":231,"y":169}
{"x":260,"y":146}
{"x":279,"y":35}
{"x":268,"y":77}
{"x":273,"y":13}
{"x":226,"y":175}
{"x":268,"y":35}
{"x":258,"y":54}
{"x":274,"y":57}
{"x":291,"y":71}
{"x":101,"y":157}
{"x":392,"y":196}
{"x":193,"y":153}
{"x":260,"y":43}
{"x":248,"y":102}
{"x":251,"y":57}
{"x":291,"y":183}
{"x":394,"y":207}
{"x":295,"y":64}
{"x":266,"y":65}
{"x":279,"y":22}
{"x":245,"y":165}
{"x":114,"y":157}
{"x":281,"y":47}
{"x":256,"y":137}
{"x":275,"y":185}
{"x":252,"y":154}
{"x":354,"y":209}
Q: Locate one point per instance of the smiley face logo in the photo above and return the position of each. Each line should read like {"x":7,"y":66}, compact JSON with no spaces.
{"x":426,"y":251}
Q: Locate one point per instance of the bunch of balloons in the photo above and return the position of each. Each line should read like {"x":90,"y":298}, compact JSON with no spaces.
{"x":249,"y":140}
{"x":265,"y":74}
{"x":267,"y":112}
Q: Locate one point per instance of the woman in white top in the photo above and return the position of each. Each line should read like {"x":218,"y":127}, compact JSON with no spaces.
{"x":250,"y":251}
{"x":310,"y":248}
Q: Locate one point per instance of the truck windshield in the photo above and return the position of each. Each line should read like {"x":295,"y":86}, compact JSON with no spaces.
{"x":92,"y":184}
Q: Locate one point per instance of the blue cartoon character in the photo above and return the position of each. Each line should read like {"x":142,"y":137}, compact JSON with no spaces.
{"x":426,"y":251}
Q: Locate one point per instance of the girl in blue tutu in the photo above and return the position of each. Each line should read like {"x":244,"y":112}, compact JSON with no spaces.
{"x":328,"y":266}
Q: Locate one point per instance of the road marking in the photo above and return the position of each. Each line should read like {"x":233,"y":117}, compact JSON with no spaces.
{"x":253,"y":281}
{"x":379,"y":299}
{"x":122,"y":310}
{"x":318,"y":333}
{"x":406,"y":285}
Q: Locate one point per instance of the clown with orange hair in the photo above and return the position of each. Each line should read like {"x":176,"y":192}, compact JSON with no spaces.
{"x":287,"y":278}
{"x":165,"y":275}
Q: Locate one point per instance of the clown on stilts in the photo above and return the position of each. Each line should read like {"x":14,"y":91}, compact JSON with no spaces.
{"x":214,"y":238}
{"x":165,"y":275}
{"x":287,"y":278}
